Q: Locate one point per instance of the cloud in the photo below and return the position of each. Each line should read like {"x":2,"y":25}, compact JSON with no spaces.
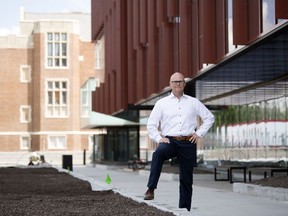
{"x":58,"y":6}
{"x":9,"y":31}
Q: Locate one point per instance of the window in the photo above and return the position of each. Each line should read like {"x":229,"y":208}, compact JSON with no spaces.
{"x":86,"y":96}
{"x":56,"y":142}
{"x":25,"y":142}
{"x":85,"y":102}
{"x":56,"y":49}
{"x":25,"y":114}
{"x":56,"y":98}
{"x":25,"y":73}
{"x":99,"y":54}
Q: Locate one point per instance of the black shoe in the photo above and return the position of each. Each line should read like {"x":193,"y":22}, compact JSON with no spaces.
{"x":149,"y":194}
{"x":188,"y":208}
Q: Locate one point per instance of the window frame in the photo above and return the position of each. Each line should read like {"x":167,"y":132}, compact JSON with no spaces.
{"x":22,"y":113}
{"x":22,"y":137}
{"x":50,"y":145}
{"x":22,"y":73}
{"x":51,"y":107}
{"x":59,"y":55}
{"x":99,"y":54}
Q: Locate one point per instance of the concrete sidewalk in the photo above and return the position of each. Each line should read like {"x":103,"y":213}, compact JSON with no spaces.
{"x":210,"y":198}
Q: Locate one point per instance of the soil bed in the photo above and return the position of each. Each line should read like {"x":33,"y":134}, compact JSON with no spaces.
{"x":275,"y":181}
{"x":45,"y":191}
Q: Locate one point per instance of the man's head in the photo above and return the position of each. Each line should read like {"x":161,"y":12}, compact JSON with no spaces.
{"x":177,"y":83}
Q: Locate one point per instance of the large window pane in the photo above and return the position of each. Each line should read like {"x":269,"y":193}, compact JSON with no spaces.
{"x":56,"y":49}
{"x":57,"y":99}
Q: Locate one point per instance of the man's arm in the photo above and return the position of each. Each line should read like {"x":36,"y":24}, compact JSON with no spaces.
{"x":207,"y":117}
{"x":153,"y":123}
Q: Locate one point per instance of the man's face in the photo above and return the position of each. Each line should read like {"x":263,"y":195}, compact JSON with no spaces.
{"x":177,"y":83}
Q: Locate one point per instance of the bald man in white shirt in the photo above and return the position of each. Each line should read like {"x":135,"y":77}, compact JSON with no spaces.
{"x":177,"y":116}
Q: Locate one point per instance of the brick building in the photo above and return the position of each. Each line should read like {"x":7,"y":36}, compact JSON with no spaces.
{"x":47,"y":75}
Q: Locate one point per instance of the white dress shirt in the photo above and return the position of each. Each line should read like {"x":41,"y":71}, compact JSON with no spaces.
{"x":178,"y":117}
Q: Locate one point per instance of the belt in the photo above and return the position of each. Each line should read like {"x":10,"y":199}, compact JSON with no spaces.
{"x":180,"y":138}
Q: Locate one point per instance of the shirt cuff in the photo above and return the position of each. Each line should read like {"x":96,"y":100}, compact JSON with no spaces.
{"x":158,"y":139}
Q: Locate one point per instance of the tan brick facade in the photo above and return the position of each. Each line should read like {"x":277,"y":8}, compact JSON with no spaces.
{"x":26,"y":123}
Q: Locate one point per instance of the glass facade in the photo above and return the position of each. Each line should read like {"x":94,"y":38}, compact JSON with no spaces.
{"x":119,"y":144}
{"x":249,"y":96}
{"x":256,"y":131}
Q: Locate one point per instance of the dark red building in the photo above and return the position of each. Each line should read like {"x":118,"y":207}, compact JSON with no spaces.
{"x":147,"y":40}
{"x":225,"y":48}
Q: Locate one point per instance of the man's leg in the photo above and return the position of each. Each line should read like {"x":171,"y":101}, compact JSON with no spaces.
{"x":186,"y":165}
{"x":163,"y":152}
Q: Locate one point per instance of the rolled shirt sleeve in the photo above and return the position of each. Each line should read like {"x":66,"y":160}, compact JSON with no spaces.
{"x":154,"y":123}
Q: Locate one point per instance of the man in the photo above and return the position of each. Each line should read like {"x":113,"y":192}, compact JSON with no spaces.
{"x":176,"y":115}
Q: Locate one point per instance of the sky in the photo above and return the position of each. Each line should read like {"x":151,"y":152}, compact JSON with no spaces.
{"x":10,"y":10}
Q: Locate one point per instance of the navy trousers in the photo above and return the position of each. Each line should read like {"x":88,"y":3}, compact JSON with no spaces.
{"x":185,"y":152}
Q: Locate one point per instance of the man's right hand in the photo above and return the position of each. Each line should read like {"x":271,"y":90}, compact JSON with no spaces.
{"x":164,"y":140}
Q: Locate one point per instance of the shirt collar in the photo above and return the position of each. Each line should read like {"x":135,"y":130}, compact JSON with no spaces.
{"x":173,"y":96}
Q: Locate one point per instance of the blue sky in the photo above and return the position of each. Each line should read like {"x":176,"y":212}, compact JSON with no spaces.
{"x":10,"y":11}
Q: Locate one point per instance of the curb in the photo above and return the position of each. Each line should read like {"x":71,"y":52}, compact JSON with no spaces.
{"x":280,"y":194}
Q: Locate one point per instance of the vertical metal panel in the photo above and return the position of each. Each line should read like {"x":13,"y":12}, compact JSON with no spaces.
{"x":246,"y":21}
{"x":101,"y":98}
{"x":208,"y":33}
{"x":112,"y":92}
{"x":151,"y":49}
{"x":185,"y":37}
{"x":118,"y":73}
{"x":135,"y":23}
{"x":281,"y":9}
{"x":174,"y":22}
{"x":160,"y":11}
{"x":196,"y":57}
{"x":138,"y":29}
{"x":240,"y":22}
{"x":106,"y":94}
{"x":172,"y":8}
{"x":93,"y":102}
{"x":175,"y":46}
{"x":131,"y":77}
{"x":140,"y":75}
{"x":166,"y":55}
{"x":95,"y":99}
{"x":97,"y":16}
{"x":215,"y":31}
{"x":122,"y":59}
{"x":143,"y":21}
{"x":111,"y":58}
{"x":255,"y":19}
{"x":222,"y":43}
{"x":200,"y":31}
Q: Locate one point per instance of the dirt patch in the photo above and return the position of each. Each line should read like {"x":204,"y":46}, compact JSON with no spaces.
{"x":45,"y":191}
{"x":275,"y":181}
